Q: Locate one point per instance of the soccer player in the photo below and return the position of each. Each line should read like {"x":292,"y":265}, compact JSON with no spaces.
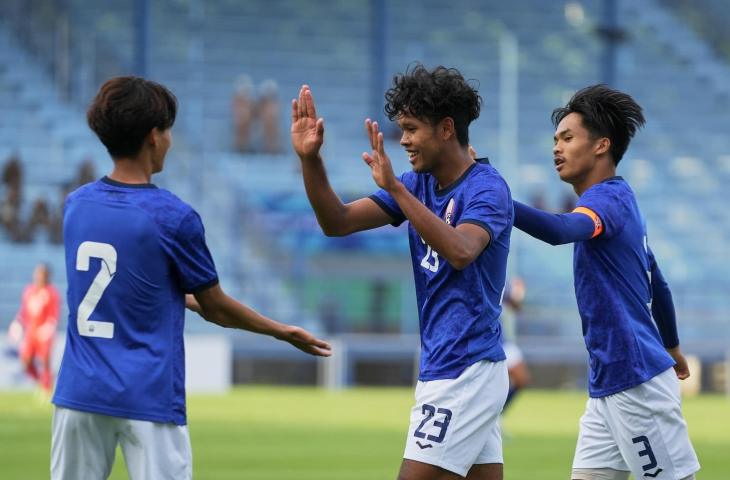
{"x":133,"y":252}
{"x":460,"y":219}
{"x":633,"y":420}
{"x":38,"y":316}
{"x":519,"y":374}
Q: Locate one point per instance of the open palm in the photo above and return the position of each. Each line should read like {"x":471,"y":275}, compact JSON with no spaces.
{"x":307,"y":131}
{"x":378,"y":160}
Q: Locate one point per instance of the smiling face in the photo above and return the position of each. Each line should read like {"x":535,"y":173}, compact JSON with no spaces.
{"x":421,"y":141}
{"x":576,"y":152}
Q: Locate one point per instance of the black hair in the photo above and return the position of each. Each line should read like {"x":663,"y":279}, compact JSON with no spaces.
{"x":125,"y":111}
{"x":605,"y":112}
{"x":434,"y":95}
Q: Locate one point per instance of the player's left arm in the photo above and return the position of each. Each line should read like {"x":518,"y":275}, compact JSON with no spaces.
{"x":664,"y":314}
{"x":459,"y":246}
{"x":557,"y":229}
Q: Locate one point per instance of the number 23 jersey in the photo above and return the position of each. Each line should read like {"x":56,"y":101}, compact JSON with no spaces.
{"x":132,"y":252}
{"x":458,"y":309}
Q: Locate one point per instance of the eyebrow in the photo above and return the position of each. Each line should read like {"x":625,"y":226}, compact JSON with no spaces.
{"x":561,"y":133}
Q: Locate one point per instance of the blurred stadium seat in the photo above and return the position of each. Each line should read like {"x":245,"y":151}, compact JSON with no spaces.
{"x":260,"y":226}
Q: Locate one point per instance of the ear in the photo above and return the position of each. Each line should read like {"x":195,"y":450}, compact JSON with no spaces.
{"x":446,"y":128}
{"x":603,"y":145}
{"x":153,"y":138}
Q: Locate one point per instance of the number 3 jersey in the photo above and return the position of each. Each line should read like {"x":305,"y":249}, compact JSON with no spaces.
{"x":132,"y":252}
{"x":458,"y":309}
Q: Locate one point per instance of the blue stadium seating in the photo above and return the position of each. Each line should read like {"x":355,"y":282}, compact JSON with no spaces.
{"x":678,"y":164}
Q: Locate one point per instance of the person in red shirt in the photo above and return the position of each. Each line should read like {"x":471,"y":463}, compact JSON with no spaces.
{"x":38,"y":315}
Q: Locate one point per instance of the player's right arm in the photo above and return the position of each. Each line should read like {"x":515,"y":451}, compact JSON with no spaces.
{"x":557,"y":229}
{"x":334,"y":217}
{"x":217,"y":307}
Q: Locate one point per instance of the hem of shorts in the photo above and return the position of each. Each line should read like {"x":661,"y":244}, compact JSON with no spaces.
{"x":63,"y":403}
{"x":455,"y":373}
{"x":619,"y":389}
{"x":598,"y":466}
{"x":694,"y":469}
{"x":462,"y":472}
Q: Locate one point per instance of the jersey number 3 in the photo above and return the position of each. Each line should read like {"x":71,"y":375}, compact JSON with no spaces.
{"x":108,"y":256}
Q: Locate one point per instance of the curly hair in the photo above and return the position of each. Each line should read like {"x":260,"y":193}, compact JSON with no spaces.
{"x":434,"y":95}
{"x":605,"y":112}
{"x":126,"y":109}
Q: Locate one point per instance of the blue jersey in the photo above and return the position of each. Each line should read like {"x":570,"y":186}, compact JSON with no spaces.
{"x":459,"y":310}
{"x":132,"y":252}
{"x":613,"y":289}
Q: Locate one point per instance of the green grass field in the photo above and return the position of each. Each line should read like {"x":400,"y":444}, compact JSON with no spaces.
{"x":264,"y":433}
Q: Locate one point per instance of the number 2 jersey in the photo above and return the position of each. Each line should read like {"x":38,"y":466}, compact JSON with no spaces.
{"x":132,"y":252}
{"x":458,"y":310}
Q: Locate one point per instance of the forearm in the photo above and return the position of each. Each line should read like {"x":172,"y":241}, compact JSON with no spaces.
{"x":230,"y":313}
{"x":327,"y":206}
{"x":553,"y":228}
{"x":446,"y":240}
{"x":662,"y":309}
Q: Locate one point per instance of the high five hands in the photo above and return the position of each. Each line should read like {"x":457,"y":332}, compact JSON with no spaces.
{"x":307,"y":136}
{"x":378,"y":160}
{"x":307,"y":131}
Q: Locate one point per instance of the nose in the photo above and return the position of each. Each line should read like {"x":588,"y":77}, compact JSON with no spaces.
{"x":556,"y":148}
{"x":404,"y":139}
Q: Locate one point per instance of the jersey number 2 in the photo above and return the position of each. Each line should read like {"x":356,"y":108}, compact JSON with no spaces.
{"x":108,"y":256}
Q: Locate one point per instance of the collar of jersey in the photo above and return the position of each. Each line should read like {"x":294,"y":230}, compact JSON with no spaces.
{"x":109,"y":181}
{"x":615,"y":177}
{"x":458,"y":181}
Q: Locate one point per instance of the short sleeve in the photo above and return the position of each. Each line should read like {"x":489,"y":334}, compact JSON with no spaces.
{"x":191,"y":256}
{"x":489,"y":205}
{"x":389,"y":205}
{"x":606,"y":207}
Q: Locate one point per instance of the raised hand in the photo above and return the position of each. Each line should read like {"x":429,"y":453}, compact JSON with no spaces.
{"x":378,"y":160}
{"x":307,"y":342}
{"x":307,"y":131}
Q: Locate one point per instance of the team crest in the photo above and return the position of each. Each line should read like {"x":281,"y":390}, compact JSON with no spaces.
{"x":449,"y":211}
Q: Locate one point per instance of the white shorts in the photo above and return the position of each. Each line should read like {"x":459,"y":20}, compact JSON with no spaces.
{"x":513,"y":354}
{"x":455,"y":422}
{"x":83,"y":446}
{"x":640,"y":430}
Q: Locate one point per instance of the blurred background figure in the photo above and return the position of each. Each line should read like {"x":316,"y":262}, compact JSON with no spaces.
{"x":243,"y":113}
{"x":519,"y":375}
{"x":38,"y":318}
{"x":12,"y":194}
{"x":86,"y":173}
{"x":268,"y":114}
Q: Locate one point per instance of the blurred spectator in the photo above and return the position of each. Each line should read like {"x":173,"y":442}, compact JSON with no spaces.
{"x":86,"y":173}
{"x":40,"y":218}
{"x":13,"y":172}
{"x":268,"y":113}
{"x":519,"y":375}
{"x":243,"y":113}
{"x":10,"y":212}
